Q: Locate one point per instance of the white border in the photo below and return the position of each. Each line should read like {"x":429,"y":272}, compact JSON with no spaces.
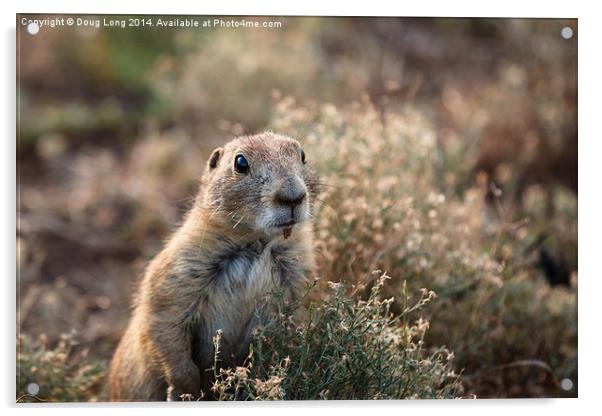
{"x":590,"y":206}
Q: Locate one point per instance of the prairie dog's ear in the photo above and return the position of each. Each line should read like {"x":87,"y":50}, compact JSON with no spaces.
{"x":214,"y":159}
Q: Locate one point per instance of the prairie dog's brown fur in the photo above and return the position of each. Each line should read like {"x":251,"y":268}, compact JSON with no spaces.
{"x":247,"y":234}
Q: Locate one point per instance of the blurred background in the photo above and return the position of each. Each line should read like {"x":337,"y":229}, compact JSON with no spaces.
{"x":450,"y":146}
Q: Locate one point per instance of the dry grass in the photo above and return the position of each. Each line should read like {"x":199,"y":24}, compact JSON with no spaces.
{"x":387,"y":207}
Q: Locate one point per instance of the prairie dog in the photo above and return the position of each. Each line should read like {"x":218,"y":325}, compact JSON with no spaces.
{"x":248,"y":233}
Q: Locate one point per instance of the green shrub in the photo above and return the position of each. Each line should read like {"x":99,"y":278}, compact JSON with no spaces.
{"x":344,"y":349}
{"x":62,"y":374}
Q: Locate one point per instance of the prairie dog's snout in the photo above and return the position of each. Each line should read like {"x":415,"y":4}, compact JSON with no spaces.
{"x":290,"y":206}
{"x":290,"y":193}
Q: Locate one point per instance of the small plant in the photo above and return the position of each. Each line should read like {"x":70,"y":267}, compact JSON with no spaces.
{"x":344,"y":349}
{"x":60,"y":374}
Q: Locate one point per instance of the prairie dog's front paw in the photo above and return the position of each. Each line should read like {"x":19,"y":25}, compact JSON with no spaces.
{"x":173,"y":395}
{"x":184,"y":381}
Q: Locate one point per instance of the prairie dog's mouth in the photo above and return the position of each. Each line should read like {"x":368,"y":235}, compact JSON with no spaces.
{"x":288,"y":224}
{"x":287,"y":228}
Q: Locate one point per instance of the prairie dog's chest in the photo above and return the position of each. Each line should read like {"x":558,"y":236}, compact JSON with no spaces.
{"x":235,"y":292}
{"x":243,"y":273}
{"x":237,"y":285}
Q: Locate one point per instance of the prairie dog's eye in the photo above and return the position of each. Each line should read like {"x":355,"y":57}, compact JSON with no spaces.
{"x":303,"y":157}
{"x":240,"y":164}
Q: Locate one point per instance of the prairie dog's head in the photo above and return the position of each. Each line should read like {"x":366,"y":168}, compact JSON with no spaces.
{"x":260,"y":183}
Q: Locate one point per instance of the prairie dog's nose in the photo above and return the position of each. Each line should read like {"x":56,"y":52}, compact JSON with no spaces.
{"x":291,"y":192}
{"x":290,"y":198}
